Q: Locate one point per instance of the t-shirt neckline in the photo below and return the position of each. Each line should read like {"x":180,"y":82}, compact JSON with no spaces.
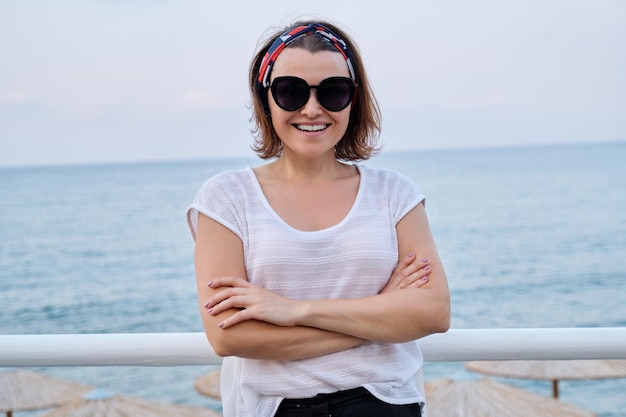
{"x":261,"y":195}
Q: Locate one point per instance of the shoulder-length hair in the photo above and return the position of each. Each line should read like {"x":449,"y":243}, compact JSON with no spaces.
{"x":361,"y":137}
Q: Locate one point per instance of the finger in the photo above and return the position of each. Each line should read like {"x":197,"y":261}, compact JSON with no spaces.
{"x":235,"y":302}
{"x":403,"y":268}
{"x":405,"y":263}
{"x":224,"y":295}
{"x":411,"y":269}
{"x":218,"y":298}
{"x":235,"y":318}
{"x":415,"y":276}
{"x":419,"y":283}
{"x":228,"y":282}
{"x":407,"y":260}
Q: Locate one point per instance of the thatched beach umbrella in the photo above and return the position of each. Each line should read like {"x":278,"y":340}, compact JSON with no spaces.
{"x":23,"y":390}
{"x":101,"y":403}
{"x":552,"y":370}
{"x":488,"y":398}
{"x":209,"y":384}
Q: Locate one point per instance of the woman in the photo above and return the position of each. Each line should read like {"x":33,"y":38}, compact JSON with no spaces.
{"x":317,"y":273}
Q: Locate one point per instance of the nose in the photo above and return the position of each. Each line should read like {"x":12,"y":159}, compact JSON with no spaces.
{"x":312,"y":107}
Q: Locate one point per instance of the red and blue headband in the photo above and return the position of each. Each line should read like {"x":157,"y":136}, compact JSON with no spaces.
{"x":286,"y":38}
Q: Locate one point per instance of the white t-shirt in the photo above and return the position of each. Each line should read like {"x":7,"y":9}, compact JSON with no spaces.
{"x":352,"y":259}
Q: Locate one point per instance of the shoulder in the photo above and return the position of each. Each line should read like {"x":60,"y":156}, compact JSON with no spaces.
{"x":221,"y":198}
{"x":393,"y":189}
{"x":386,"y":178}
{"x":227,"y":187}
{"x":227,"y":183}
{"x":230,"y":177}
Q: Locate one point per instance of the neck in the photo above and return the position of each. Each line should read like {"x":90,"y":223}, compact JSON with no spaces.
{"x":299,"y":169}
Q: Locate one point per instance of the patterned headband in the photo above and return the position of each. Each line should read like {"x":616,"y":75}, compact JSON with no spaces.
{"x":286,"y":38}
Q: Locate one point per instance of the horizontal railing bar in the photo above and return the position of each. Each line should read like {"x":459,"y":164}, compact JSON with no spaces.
{"x":182,"y":349}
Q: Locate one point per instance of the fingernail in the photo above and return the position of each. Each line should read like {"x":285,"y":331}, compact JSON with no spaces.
{"x":424,"y":260}
{"x":426,"y":268}
{"x":210,"y":310}
{"x":210,"y":283}
{"x":424,"y":278}
{"x":410,"y":255}
{"x":220,"y":325}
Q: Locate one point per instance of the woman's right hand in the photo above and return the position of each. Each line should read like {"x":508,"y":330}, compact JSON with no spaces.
{"x":410,"y":273}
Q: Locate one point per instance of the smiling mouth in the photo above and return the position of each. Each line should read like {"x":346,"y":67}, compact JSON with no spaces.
{"x":311,"y":128}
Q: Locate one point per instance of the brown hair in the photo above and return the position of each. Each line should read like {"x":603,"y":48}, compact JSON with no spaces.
{"x":361,"y":137}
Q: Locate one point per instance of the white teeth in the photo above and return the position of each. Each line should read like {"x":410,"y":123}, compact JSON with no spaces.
{"x":311,"y":128}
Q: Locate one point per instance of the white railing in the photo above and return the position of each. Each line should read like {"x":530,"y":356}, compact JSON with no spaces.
{"x":175,"y":349}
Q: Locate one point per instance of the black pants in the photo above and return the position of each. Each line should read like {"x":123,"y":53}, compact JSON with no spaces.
{"x":357,"y":402}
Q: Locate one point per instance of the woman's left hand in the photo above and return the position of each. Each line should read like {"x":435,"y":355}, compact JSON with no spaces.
{"x":409,"y":273}
{"x":253,"y":301}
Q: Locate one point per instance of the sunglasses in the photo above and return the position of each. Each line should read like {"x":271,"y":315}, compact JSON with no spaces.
{"x":291,"y":93}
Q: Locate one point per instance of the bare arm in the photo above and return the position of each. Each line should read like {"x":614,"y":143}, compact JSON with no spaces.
{"x":219,"y":253}
{"x":392,"y":316}
{"x":398,"y":316}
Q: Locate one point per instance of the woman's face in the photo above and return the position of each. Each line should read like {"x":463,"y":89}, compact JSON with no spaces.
{"x":311,"y":130}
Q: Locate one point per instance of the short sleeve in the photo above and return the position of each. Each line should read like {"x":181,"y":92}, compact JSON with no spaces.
{"x":404,"y":195}
{"x":221,"y":199}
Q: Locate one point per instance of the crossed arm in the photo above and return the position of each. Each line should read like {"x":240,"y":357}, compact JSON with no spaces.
{"x":242,"y":319}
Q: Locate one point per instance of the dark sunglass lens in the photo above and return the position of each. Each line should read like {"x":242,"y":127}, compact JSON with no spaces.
{"x":335,"y":93}
{"x":290,"y":93}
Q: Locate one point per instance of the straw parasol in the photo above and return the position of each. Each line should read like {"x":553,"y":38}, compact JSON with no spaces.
{"x":101,"y":403}
{"x":487,"y":398}
{"x":552,"y":370}
{"x":209,"y":384}
{"x":23,"y":390}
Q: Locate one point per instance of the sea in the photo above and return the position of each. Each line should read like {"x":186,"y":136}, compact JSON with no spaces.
{"x":529,"y":236}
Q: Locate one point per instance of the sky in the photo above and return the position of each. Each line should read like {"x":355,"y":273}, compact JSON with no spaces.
{"x":98,"y":81}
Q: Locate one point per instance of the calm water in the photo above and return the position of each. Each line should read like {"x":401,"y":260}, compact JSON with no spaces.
{"x":531,"y":237}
